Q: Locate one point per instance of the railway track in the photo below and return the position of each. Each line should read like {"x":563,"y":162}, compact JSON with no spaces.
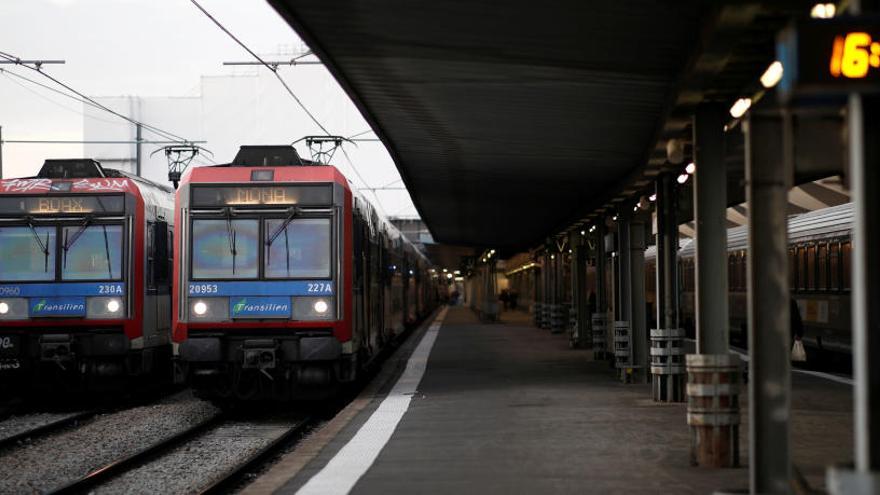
{"x":126,"y":472}
{"x":71,"y":419}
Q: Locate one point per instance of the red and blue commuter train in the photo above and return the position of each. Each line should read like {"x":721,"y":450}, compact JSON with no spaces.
{"x":287,"y":283}
{"x":84,"y":277}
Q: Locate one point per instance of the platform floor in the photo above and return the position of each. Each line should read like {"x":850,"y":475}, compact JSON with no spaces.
{"x":509,"y":408}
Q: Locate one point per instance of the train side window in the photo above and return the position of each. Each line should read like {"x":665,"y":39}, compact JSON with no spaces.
{"x":822,"y":266}
{"x":834,"y":266}
{"x":847,"y":265}
{"x":801,"y":272}
{"x":160,"y":252}
{"x":811,"y":267}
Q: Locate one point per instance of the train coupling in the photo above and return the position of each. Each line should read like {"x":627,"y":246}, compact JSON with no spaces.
{"x":260,"y":354}
{"x":57,"y":348}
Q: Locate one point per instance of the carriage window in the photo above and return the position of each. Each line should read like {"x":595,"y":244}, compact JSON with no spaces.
{"x":801,"y":262}
{"x":834,"y":264}
{"x":822,"y":266}
{"x":91,"y":252}
{"x":811,"y":267}
{"x":847,"y":265}
{"x":27,"y":253}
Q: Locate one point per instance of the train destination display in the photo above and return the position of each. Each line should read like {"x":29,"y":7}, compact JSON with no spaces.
{"x":319,"y":194}
{"x":43,"y":205}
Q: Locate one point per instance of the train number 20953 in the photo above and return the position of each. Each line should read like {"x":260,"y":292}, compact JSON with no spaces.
{"x":203,"y":288}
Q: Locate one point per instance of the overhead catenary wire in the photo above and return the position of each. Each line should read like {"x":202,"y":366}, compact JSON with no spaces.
{"x":155,"y":130}
{"x":273,"y":68}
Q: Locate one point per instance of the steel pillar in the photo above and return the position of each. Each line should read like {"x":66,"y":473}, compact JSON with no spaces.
{"x":638,"y":325}
{"x":667,"y":350}
{"x":600,"y":320}
{"x":579,"y":296}
{"x":667,"y":253}
{"x":710,"y":212}
{"x":713,"y":378}
{"x":769,"y":171}
{"x":864,"y":155}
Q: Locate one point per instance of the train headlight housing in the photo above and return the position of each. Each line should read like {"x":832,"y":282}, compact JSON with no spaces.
{"x":104,"y":307}
{"x":200,"y":308}
{"x":13,"y":308}
{"x":320,"y":306}
{"x":209,"y":309}
{"x":314,"y":308}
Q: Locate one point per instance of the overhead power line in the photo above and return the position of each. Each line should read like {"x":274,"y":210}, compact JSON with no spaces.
{"x":36,"y":68}
{"x":272,"y":68}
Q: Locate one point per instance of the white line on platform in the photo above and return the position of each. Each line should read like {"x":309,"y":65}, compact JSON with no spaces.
{"x":818,"y":374}
{"x":355,"y":458}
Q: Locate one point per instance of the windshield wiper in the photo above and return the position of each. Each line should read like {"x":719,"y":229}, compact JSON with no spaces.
{"x":283,"y":227}
{"x":44,"y":247}
{"x":70,"y":241}
{"x":107,"y":252}
{"x":230,"y":234}
{"x":293,"y":212}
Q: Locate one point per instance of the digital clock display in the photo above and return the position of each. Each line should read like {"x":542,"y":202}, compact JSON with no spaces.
{"x":242,"y":196}
{"x":830,"y":56}
{"x":52,"y":204}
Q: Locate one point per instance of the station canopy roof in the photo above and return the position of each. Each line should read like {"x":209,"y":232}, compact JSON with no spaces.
{"x":510,"y":119}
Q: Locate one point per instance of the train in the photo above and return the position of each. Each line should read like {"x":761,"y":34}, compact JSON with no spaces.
{"x":288,"y":283}
{"x":85,"y":279}
{"x":820,"y":253}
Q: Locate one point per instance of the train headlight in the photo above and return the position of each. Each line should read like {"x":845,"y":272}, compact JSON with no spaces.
{"x":209,"y":309}
{"x":320,"y":306}
{"x":13,"y":308}
{"x":200,"y":308}
{"x":313,"y":308}
{"x":104,"y":307}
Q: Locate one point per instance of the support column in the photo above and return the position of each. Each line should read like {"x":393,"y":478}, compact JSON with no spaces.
{"x":559,"y":310}
{"x":638,"y":326}
{"x":710,"y":212}
{"x":600,"y":317}
{"x":864,"y":155}
{"x":623,"y":305}
{"x":580,"y":302}
{"x":713,"y":373}
{"x":667,"y":349}
{"x":769,"y":169}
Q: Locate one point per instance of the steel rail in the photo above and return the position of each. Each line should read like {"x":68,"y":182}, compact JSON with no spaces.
{"x":117,"y":467}
{"x":226,"y":481}
{"x":47,"y":428}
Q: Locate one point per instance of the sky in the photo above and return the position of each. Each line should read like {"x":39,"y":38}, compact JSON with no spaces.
{"x":163,"y":48}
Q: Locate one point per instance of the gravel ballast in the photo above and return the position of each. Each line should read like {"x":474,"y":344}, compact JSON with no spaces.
{"x":193,"y":466}
{"x":16,"y":425}
{"x":56,"y":460}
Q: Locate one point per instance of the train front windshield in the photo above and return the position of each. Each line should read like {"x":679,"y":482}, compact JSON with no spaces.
{"x":28,"y":253}
{"x":291,"y":248}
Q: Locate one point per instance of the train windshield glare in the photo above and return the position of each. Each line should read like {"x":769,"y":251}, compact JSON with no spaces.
{"x":300,"y":248}
{"x":27,"y":254}
{"x":225,"y":249}
{"x":230,"y":249}
{"x":92,"y":252}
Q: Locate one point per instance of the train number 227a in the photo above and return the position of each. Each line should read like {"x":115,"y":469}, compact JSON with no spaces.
{"x":321,"y":287}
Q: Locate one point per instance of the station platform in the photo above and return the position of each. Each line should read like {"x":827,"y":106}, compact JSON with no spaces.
{"x":510,"y":408}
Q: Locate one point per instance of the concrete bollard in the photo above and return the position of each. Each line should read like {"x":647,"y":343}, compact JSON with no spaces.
{"x":667,"y":364}
{"x":600,"y":344}
{"x":713,"y":409}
